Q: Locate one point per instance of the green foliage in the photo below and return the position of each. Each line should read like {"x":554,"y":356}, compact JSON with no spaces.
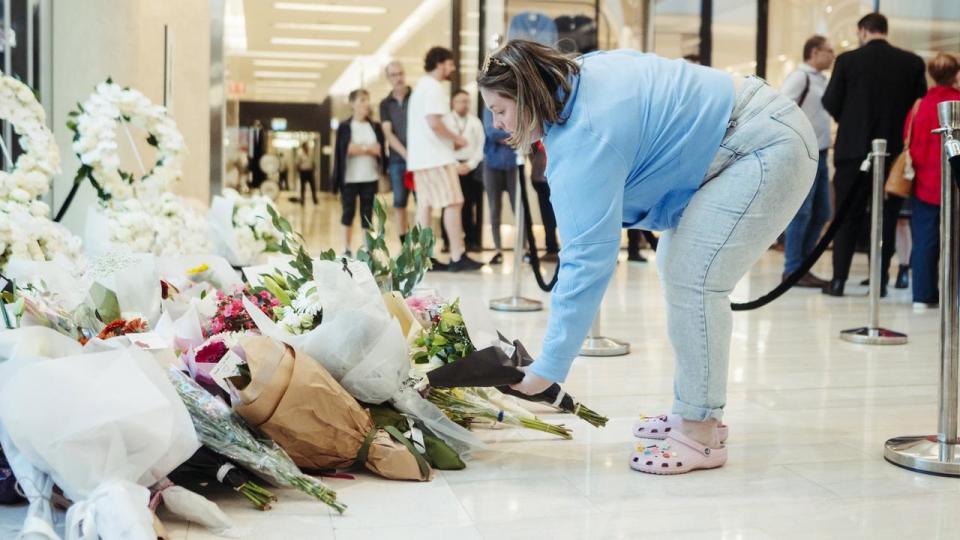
{"x":407,"y":270}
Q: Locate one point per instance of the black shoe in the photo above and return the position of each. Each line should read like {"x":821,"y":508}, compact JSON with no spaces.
{"x":903,"y":277}
{"x":809,"y":281}
{"x":636,"y":257}
{"x":496,"y":259}
{"x":835,"y":287}
{"x":437,"y":266}
{"x":464,"y":264}
{"x":550,"y":256}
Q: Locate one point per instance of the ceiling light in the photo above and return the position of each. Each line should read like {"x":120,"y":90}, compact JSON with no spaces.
{"x":285,"y":75}
{"x":303,"y":91}
{"x":323,"y":27}
{"x":315,"y":42}
{"x":364,"y":69}
{"x":294,"y":55}
{"x":285,"y":84}
{"x":289,"y":64}
{"x":330,"y":8}
{"x":234,"y":26}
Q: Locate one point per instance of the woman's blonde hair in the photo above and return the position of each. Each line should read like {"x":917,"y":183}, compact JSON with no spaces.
{"x":530,"y":74}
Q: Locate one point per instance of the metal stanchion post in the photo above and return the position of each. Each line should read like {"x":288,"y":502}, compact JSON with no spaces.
{"x":597,"y":345}
{"x":873,"y":334}
{"x":516,"y":302}
{"x":940,"y":454}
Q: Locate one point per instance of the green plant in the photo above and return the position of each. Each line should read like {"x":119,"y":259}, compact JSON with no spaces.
{"x":407,"y":270}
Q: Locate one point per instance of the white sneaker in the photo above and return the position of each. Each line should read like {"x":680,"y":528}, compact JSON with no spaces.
{"x":923,"y":306}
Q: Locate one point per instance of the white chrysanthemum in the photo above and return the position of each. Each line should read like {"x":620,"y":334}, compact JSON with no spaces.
{"x":308,"y":300}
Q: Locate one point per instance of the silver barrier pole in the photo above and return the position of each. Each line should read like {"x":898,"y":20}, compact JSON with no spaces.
{"x":517,"y":302}
{"x":598,"y":345}
{"x":940,"y":454}
{"x":873,"y":334}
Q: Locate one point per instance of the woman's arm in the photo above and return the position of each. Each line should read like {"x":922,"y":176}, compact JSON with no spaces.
{"x":587,"y":194}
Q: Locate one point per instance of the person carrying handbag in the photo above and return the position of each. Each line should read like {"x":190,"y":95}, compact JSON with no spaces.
{"x":923,"y":153}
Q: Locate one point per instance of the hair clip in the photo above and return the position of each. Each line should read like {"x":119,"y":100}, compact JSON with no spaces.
{"x":491,"y":60}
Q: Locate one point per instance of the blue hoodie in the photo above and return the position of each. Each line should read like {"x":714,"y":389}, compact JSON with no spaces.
{"x":633,"y":145}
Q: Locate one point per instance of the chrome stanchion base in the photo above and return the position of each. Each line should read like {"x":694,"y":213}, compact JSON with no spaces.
{"x":515,"y":303}
{"x":924,"y":455}
{"x":603,"y":346}
{"x":873,"y":336}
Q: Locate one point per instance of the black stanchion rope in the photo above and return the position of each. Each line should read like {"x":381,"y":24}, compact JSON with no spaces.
{"x":857,"y":196}
{"x":544,"y":285}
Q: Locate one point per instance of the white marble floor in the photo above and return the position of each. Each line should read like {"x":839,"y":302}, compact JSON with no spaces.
{"x":808,"y":415}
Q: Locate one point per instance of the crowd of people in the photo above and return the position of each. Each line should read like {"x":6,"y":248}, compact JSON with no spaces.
{"x":431,"y":146}
{"x":877,"y":91}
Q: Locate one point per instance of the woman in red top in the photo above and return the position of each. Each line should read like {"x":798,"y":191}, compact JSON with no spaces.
{"x":925,"y":153}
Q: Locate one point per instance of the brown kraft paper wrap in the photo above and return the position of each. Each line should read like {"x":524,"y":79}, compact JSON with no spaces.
{"x":295,"y":401}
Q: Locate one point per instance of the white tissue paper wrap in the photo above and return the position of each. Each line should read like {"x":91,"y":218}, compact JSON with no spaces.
{"x":103,"y":426}
{"x":362,"y":346}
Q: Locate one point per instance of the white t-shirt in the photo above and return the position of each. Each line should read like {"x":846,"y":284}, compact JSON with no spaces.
{"x":362,"y":168}
{"x":425,"y":150}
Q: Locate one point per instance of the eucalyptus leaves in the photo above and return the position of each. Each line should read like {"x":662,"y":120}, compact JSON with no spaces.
{"x":405,"y":272}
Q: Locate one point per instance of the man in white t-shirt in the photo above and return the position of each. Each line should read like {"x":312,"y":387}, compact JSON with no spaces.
{"x":430,"y":155}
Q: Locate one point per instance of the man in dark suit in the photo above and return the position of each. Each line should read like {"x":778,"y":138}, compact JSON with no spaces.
{"x":869,"y":95}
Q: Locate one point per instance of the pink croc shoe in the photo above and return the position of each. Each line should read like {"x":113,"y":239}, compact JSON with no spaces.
{"x":678,"y":454}
{"x":660,"y":427}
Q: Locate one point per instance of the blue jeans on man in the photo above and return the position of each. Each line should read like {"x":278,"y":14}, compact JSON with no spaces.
{"x":396,"y":170}
{"x":805,"y":228}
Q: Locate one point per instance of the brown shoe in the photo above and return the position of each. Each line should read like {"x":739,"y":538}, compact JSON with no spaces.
{"x":810,"y":281}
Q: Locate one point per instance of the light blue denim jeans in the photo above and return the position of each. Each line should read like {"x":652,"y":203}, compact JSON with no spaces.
{"x":761,"y":174}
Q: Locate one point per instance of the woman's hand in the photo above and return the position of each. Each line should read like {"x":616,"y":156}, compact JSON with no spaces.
{"x":532,"y":383}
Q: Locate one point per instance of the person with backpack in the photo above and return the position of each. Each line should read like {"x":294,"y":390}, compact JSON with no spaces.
{"x":806,"y":85}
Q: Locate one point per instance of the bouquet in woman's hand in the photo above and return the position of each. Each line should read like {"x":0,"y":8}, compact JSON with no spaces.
{"x":219,"y":428}
{"x":499,"y":366}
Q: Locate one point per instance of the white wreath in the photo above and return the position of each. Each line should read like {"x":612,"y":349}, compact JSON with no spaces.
{"x":26,"y":231}
{"x":95,"y":142}
{"x":40,"y":160}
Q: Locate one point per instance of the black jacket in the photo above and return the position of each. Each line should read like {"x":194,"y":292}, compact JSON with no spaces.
{"x":869,"y":95}
{"x":340,"y":156}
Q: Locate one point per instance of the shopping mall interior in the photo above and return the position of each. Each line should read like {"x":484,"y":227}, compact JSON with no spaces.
{"x":137,"y":136}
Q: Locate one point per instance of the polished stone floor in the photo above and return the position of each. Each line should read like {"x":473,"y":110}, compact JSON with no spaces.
{"x":808,"y":415}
